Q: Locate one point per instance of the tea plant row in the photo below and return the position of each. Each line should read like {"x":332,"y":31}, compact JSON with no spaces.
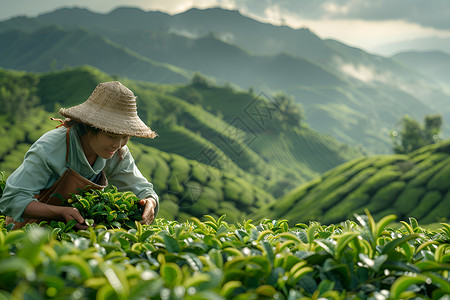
{"x":213,"y":259}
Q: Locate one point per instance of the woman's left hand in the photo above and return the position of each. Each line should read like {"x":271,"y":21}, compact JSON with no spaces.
{"x":149,"y":210}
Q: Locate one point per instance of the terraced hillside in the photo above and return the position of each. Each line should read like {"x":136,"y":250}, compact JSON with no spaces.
{"x":215,"y":125}
{"x":17,"y":136}
{"x":189,"y":188}
{"x":415,"y":185}
{"x":186,"y":187}
{"x":212,"y":156}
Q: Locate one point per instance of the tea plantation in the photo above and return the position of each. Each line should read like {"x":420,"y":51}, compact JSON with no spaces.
{"x":211,"y":169}
{"x":416,"y":185}
{"x":189,"y":188}
{"x":217,"y":260}
{"x":219,"y":150}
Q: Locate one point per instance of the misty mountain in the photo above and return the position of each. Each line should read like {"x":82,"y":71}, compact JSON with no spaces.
{"x":426,"y":44}
{"x":355,"y":96}
{"x":53,"y":47}
{"x":433,"y":64}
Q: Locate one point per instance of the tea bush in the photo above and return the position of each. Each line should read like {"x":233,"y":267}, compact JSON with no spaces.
{"x":213,"y":259}
{"x":108,"y":207}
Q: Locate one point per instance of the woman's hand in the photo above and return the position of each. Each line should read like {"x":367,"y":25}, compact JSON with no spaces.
{"x":69,"y":213}
{"x":149,"y":210}
{"x":38,"y":210}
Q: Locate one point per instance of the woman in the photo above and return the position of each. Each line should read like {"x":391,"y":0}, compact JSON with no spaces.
{"x":89,"y":147}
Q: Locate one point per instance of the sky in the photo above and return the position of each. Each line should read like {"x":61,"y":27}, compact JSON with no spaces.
{"x":366,"y":24}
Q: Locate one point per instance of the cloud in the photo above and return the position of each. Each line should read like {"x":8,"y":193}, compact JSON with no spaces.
{"x":434,"y":13}
{"x":178,"y":6}
{"x":344,"y":20}
{"x":362,"y":73}
{"x":427,"y":13}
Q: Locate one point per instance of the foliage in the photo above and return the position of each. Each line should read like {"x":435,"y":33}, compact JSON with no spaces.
{"x":108,"y":207}
{"x":17,"y":94}
{"x":2,"y":182}
{"x":17,"y":136}
{"x":413,"y":135}
{"x":200,"y":81}
{"x":288,"y":113}
{"x":215,"y":260}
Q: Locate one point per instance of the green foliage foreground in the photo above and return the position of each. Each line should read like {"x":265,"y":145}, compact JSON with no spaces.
{"x":216,"y":260}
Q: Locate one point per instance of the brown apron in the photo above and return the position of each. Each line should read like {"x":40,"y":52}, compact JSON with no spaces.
{"x":70,"y":182}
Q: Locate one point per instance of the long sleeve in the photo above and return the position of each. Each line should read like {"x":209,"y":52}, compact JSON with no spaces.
{"x":36,"y":172}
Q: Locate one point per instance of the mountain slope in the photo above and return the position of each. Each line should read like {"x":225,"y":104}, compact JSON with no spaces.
{"x":55,"y":48}
{"x":415,"y":185}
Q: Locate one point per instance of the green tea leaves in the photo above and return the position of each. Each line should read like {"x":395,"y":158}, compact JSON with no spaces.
{"x":110,"y":207}
{"x":194,"y":260}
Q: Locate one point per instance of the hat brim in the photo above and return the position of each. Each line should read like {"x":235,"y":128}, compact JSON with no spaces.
{"x":109,"y":121}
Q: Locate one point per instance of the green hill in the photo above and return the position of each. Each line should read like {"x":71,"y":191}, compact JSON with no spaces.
{"x":216,"y":125}
{"x":415,"y":185}
{"x":211,"y":145}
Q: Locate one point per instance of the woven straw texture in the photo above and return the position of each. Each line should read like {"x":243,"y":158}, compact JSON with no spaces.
{"x":112,"y":108}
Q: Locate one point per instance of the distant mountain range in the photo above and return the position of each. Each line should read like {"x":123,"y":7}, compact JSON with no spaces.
{"x":352,"y":95}
{"x":434,"y":64}
{"x":424,"y":44}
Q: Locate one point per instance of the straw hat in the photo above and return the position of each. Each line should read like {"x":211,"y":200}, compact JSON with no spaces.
{"x":112,"y":108}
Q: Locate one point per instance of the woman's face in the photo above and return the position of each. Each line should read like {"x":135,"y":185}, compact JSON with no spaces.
{"x":105,"y":144}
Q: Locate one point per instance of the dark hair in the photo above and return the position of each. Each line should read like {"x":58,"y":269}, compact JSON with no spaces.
{"x":85,"y":128}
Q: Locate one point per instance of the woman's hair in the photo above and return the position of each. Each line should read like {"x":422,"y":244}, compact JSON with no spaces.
{"x":85,"y":128}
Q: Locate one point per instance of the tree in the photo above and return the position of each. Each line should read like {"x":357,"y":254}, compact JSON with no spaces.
{"x":18,"y":95}
{"x":288,"y":112}
{"x":413,"y":135}
{"x":200,"y":81}
{"x":432,"y":128}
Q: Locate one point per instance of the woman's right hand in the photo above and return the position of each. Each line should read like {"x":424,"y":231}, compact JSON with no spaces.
{"x":38,"y":210}
{"x":70,"y":213}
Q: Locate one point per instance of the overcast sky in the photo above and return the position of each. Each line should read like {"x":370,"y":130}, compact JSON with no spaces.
{"x":367,"y":24}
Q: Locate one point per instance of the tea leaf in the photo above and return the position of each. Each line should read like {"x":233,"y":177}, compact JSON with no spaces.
{"x":75,"y":261}
{"x":229,"y":287}
{"x":402,"y":283}
{"x":380,"y":226}
{"x":171,"y":244}
{"x":171,"y":274}
{"x":390,"y":247}
{"x":89,"y":222}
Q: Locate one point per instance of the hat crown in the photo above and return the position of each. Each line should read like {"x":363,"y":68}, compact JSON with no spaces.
{"x":115,"y":97}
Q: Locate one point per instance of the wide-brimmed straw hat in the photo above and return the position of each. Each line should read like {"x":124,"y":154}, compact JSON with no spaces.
{"x":112,"y":108}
